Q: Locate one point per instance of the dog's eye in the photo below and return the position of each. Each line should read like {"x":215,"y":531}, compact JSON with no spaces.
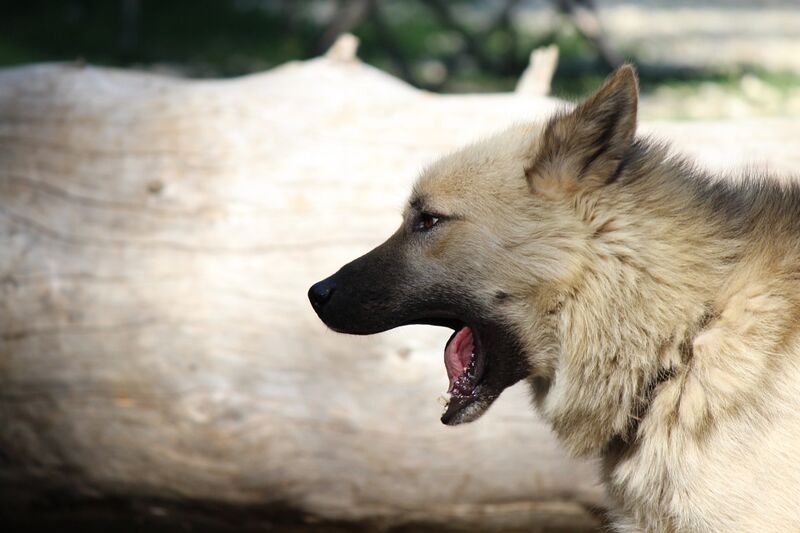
{"x":425,"y":222}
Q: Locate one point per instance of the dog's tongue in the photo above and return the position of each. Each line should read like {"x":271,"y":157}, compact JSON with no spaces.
{"x":458,"y":353}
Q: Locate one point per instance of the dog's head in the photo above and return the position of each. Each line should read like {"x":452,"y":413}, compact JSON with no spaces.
{"x":489,"y":242}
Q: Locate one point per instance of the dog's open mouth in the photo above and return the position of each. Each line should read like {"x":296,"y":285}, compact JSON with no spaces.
{"x":472,"y":384}
{"x":465,"y":366}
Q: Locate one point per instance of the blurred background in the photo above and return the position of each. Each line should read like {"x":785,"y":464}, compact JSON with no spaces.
{"x":697,"y":59}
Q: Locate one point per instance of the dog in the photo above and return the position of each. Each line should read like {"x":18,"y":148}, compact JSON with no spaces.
{"x":652,"y":308}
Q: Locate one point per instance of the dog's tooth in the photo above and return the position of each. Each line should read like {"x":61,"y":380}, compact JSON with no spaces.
{"x":444,"y":399}
{"x":471,"y":367}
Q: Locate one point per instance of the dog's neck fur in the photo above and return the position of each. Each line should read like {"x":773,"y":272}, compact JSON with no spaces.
{"x":679,"y":254}
{"x":654,"y":241}
{"x":643,"y":256}
{"x":667,"y":340}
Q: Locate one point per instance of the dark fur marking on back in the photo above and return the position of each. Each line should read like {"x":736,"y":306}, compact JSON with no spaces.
{"x":642,"y":407}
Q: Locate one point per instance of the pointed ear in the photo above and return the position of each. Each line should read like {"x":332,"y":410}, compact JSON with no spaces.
{"x":591,"y":140}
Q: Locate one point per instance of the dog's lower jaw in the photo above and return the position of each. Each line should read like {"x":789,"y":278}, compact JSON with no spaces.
{"x":462,"y":412}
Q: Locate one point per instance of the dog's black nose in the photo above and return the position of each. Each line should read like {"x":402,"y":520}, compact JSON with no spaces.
{"x":321,"y":292}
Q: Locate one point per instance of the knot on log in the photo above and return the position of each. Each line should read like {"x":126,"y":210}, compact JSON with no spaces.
{"x":536,"y":79}
{"x":344,"y":48}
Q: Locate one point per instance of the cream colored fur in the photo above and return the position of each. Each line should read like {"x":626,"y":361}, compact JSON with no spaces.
{"x":659,"y":309}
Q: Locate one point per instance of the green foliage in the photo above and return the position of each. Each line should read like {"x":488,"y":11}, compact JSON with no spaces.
{"x":211,"y":38}
{"x":205,"y":37}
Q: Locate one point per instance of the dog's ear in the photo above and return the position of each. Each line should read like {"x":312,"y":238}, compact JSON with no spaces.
{"x":591,"y":140}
